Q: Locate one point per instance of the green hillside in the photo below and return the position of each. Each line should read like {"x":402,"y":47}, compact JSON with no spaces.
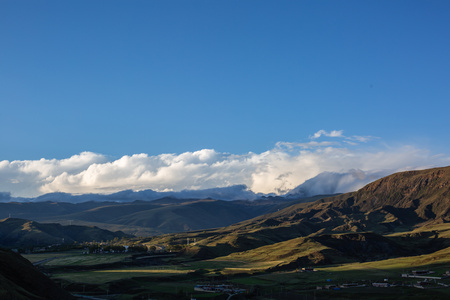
{"x":20,"y":232}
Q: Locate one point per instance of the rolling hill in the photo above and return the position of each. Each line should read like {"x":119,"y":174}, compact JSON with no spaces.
{"x":143,"y":218}
{"x":20,"y":232}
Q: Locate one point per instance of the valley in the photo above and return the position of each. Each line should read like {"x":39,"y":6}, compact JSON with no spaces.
{"x":256,"y":271}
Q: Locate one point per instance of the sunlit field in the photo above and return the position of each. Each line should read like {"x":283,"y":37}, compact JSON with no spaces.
{"x":104,"y":276}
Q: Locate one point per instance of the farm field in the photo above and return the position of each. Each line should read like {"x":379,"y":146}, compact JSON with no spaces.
{"x":175,"y":278}
{"x":35,"y":257}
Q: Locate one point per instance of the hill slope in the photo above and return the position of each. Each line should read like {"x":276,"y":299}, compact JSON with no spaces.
{"x":164,"y":215}
{"x":20,"y":280}
{"x":20,"y":232}
{"x":397,"y":202}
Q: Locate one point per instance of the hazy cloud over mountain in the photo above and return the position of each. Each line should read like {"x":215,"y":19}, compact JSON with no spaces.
{"x":5,"y":196}
{"x":275,"y":171}
{"x":332,"y":182}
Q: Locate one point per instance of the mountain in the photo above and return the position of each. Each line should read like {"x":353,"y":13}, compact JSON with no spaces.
{"x":20,"y":280}
{"x":396,"y":202}
{"x":393,"y":203}
{"x":168,"y":216}
{"x":20,"y":232}
{"x":235,"y":192}
{"x":145,"y":218}
{"x":350,"y":224}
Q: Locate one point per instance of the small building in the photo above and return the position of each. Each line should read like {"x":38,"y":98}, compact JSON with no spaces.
{"x":381,"y":284}
{"x":330,"y":287}
{"x":421,"y":272}
{"x":351,"y":285}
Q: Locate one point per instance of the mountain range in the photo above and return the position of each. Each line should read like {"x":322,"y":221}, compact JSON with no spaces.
{"x":401,"y":215}
{"x":149,"y":212}
{"x":145,"y":218}
{"x":323,"y":183}
{"x":394,"y":203}
{"x":383,"y":205}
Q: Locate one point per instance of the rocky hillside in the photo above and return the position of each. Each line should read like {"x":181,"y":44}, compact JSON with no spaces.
{"x":425,"y":192}
{"x":397,"y":202}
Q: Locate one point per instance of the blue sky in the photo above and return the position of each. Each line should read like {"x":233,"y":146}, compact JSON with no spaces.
{"x":120,"y":78}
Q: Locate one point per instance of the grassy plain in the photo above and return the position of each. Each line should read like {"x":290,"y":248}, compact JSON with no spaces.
{"x":176,"y":278}
{"x":105,"y":276}
{"x":35,"y":257}
{"x":87,"y":260}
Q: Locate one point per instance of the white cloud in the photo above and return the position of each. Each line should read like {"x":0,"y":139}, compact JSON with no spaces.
{"x":275,"y":171}
{"x":334,"y":133}
{"x":307,"y":145}
{"x":26,"y":177}
{"x":340,"y":134}
{"x":360,"y":138}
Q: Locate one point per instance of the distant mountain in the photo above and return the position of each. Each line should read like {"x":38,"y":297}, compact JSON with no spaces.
{"x":235,"y":192}
{"x":20,"y":280}
{"x":324,"y":183}
{"x":143,"y":218}
{"x":166,"y":216}
{"x":20,"y":232}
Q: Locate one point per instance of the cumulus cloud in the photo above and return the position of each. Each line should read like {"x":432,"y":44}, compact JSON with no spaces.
{"x":27,"y":177}
{"x":278,"y":170}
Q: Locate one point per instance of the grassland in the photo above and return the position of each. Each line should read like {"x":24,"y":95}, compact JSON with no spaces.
{"x":35,"y":257}
{"x":267,"y":272}
{"x":105,"y":276}
{"x":87,"y":260}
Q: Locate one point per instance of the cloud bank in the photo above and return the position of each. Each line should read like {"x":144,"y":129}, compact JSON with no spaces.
{"x":277,"y":171}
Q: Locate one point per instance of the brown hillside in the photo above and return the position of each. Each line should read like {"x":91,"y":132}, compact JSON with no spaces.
{"x":396,"y":202}
{"x":426,"y":191}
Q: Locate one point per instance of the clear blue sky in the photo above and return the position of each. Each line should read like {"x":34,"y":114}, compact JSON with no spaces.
{"x":126,"y":77}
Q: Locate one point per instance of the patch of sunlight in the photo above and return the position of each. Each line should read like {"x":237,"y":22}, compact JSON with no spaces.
{"x":169,"y":271}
